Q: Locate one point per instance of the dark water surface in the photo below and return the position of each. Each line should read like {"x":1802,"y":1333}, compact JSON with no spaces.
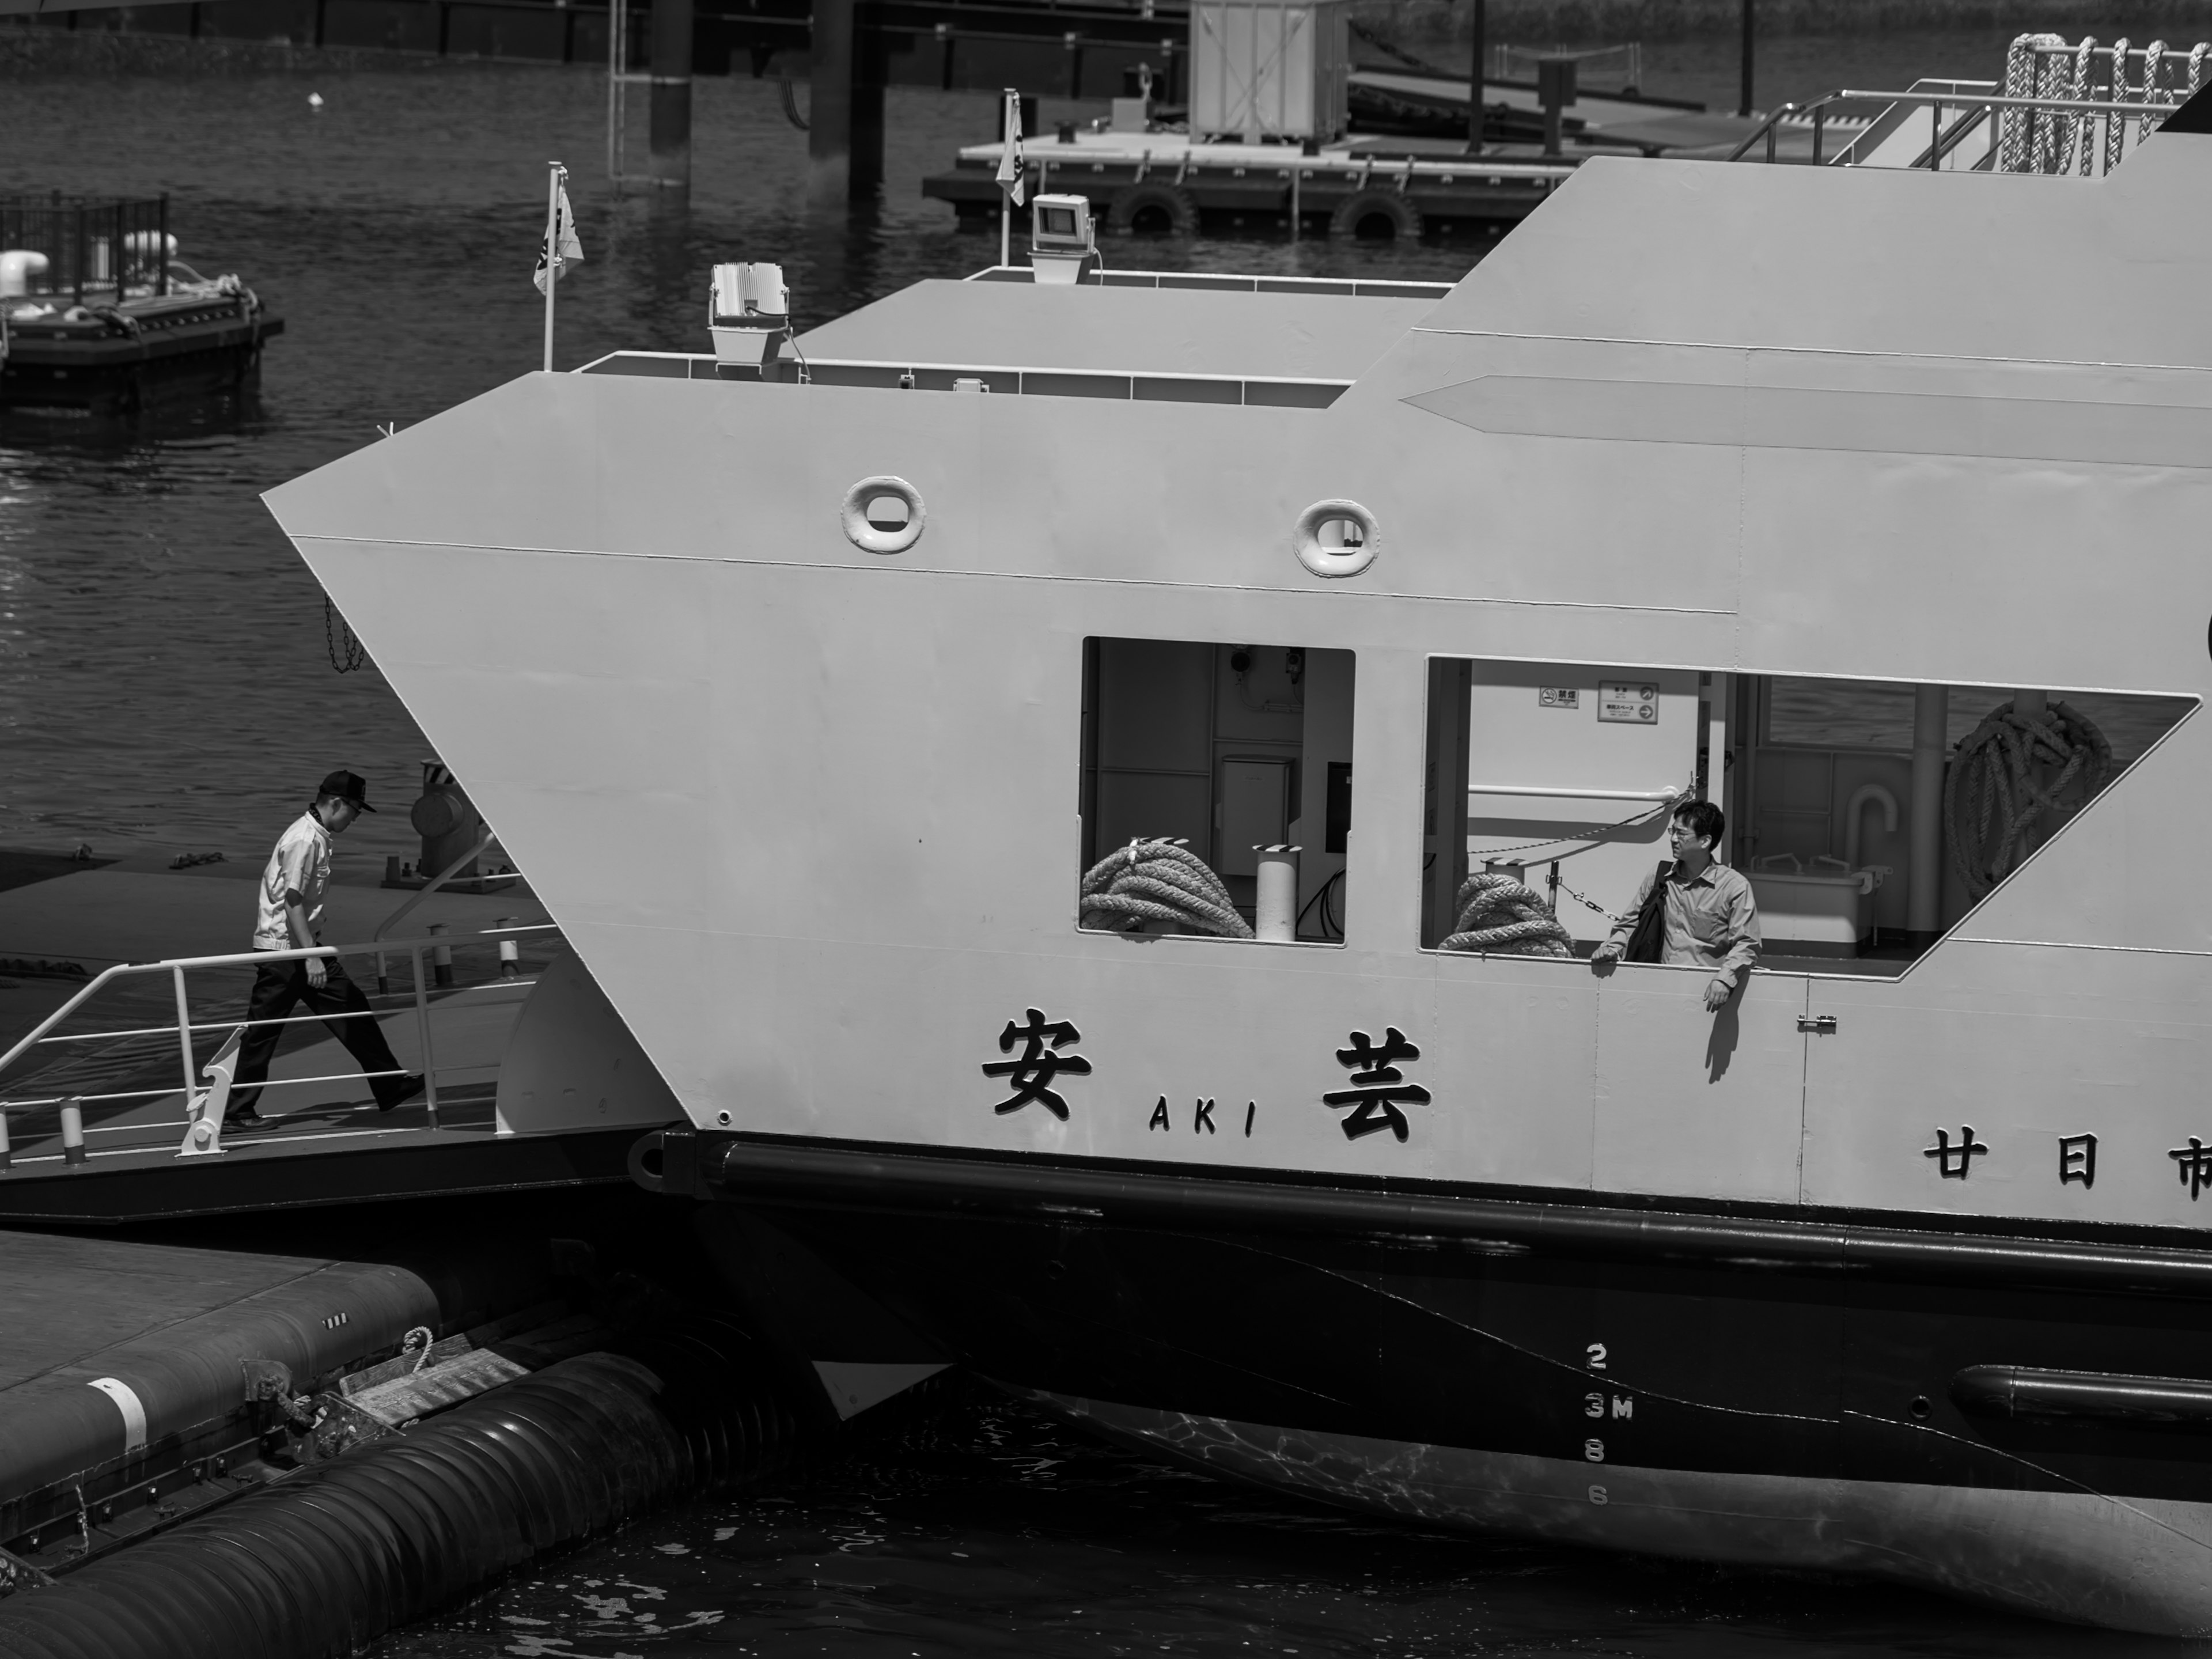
{"x":164,"y":681}
{"x":995,"y":1530}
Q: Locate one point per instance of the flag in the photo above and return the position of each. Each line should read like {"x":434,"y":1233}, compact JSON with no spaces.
{"x":1013,"y":175}
{"x":564,"y":237}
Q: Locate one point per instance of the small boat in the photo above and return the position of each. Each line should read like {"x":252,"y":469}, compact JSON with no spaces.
{"x":99,"y":317}
{"x":936,"y":731}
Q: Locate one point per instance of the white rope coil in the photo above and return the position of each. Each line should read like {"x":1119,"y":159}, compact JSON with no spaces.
{"x":1996,"y":780}
{"x":1500,"y":915}
{"x":1158,"y":880}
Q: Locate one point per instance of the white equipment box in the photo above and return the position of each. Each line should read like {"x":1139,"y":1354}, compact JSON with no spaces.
{"x":1268,"y":69}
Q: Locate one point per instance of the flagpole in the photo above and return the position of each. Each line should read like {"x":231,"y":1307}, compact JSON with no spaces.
{"x":554,"y":170}
{"x":1009,"y":146}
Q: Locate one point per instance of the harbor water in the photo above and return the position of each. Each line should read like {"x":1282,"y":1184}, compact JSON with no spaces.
{"x":167,"y":682}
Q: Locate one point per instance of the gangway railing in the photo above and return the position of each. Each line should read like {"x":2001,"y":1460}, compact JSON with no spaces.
{"x":1942,"y":141}
{"x":204,"y":1105}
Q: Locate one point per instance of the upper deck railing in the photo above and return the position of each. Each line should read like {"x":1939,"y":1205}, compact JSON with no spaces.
{"x":86,"y":244}
{"x":1942,"y":139}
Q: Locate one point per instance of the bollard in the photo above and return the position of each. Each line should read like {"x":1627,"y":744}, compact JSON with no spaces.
{"x":441,"y":957}
{"x":73,"y":1131}
{"x":1275,"y":913}
{"x":510,"y":949}
{"x":5,"y":1157}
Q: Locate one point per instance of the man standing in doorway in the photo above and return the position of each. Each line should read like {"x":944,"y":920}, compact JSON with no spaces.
{"x":1710,"y":916}
{"x":290,"y":913}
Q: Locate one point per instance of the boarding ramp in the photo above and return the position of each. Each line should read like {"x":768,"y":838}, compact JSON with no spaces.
{"x":2063,"y":108}
{"x":112,"y":1107}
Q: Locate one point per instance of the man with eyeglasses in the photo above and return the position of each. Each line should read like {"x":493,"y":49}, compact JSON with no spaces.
{"x":1711,"y":918}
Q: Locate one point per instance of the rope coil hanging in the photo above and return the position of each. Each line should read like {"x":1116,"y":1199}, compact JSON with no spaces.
{"x":1993,"y":780}
{"x":1158,"y":880}
{"x":1501,"y":916}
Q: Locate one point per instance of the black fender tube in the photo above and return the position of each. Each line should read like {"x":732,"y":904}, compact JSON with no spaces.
{"x":324,"y":1562}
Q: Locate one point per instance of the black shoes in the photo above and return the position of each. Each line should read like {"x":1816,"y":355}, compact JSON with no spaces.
{"x":247,"y":1119}
{"x":390,"y":1090}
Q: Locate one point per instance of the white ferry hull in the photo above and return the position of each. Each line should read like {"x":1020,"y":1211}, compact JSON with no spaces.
{"x":812,"y":797}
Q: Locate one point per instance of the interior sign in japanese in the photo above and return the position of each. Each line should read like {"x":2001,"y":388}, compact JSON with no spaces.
{"x":1634,"y":702}
{"x":1558,"y":696}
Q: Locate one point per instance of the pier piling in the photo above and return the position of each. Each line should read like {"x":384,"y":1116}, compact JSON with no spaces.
{"x":670,"y":164}
{"x":845,"y":119}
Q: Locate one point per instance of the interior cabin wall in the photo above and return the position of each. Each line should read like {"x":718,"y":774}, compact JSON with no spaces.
{"x":1575,"y":763}
{"x":1225,"y":746}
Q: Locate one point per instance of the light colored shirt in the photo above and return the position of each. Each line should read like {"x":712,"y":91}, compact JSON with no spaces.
{"x":1711,"y":921}
{"x":301,"y":865}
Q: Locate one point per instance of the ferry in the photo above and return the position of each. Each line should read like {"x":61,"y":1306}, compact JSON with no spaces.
{"x":1097,"y":793}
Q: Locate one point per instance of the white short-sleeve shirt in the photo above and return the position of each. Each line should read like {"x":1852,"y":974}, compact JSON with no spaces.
{"x":301,"y":865}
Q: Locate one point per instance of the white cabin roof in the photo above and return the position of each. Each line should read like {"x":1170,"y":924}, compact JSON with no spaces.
{"x":1307,"y":337}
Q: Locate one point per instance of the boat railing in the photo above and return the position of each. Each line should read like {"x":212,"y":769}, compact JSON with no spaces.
{"x":103,"y":245}
{"x":2069,"y":124}
{"x":205,"y":1084}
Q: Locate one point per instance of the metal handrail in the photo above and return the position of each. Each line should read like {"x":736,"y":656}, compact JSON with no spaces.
{"x":1985,"y":103}
{"x":177,"y":966}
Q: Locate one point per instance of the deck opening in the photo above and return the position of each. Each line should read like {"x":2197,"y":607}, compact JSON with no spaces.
{"x":1870,"y":816}
{"x":1216,"y":789}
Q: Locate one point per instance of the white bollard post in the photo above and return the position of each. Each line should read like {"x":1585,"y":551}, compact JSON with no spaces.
{"x":1275,"y":913}
{"x":510,"y":949}
{"x":73,"y":1132}
{"x":441,"y":957}
{"x":6,"y":1156}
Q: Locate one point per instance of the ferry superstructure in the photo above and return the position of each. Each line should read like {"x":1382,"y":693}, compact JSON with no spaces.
{"x":817,"y":694}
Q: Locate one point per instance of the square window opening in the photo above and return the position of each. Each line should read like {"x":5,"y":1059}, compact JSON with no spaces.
{"x":1216,"y":789}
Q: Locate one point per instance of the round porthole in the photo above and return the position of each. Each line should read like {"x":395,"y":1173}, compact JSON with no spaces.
{"x":883,"y":515}
{"x":1336,"y":538}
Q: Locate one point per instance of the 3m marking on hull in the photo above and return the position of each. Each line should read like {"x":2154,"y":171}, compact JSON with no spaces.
{"x":2129,"y":1563}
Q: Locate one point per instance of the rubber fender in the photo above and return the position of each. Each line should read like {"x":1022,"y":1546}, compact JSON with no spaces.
{"x":324,"y":1562}
{"x":1139,"y":208}
{"x":1358,"y":211}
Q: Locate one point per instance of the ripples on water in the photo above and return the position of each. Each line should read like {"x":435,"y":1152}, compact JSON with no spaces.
{"x":995,"y":1530}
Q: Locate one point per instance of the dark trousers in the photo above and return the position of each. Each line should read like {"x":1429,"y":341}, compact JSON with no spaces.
{"x":277,"y":989}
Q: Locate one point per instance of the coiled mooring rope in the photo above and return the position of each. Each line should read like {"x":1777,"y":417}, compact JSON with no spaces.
{"x":1500,"y":915}
{"x":1994,"y":779}
{"x":1158,"y":880}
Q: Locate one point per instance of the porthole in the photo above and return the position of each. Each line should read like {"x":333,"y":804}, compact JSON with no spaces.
{"x":1336,"y":538}
{"x":883,"y":515}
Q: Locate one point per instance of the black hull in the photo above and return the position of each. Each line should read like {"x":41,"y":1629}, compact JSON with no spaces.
{"x":114,"y":375}
{"x":1783,"y":1389}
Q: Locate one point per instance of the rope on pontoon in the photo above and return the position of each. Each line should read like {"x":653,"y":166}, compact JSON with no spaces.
{"x":1994,"y":779}
{"x":1158,"y":880}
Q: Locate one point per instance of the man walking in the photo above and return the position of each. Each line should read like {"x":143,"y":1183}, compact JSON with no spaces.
{"x":1709,"y":914}
{"x":290,"y":911}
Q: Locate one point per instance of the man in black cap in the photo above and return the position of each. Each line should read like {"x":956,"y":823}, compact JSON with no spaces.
{"x":290,"y":910}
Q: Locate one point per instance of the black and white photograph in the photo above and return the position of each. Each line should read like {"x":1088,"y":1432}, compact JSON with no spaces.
{"x":1093,"y":829}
